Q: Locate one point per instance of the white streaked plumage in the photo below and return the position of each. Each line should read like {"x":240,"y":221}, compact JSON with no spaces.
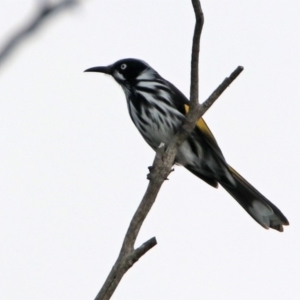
{"x":148,"y":74}
{"x":158,"y":109}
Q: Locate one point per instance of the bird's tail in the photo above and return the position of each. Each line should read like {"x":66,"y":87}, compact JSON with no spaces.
{"x":257,"y":206}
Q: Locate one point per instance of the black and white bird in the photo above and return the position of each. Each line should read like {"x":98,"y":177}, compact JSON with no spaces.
{"x":157,"y":109}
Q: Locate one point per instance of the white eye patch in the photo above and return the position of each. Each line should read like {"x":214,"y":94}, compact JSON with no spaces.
{"x":123,"y":66}
{"x":118,"y":75}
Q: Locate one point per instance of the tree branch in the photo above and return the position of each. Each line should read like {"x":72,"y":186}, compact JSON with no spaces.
{"x":221,"y":88}
{"x":162,"y":166}
{"x":44,"y":13}
{"x":194,"y":88}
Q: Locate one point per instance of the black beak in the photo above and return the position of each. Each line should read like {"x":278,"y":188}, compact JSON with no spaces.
{"x":106,"y":70}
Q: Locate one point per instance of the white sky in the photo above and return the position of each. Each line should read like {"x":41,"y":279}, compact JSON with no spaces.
{"x":73,"y":167}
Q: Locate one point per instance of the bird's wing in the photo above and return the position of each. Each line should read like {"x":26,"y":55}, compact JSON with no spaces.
{"x":204,"y":131}
{"x":202,"y":126}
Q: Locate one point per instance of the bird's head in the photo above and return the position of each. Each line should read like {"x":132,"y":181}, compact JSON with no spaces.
{"x":127,"y":71}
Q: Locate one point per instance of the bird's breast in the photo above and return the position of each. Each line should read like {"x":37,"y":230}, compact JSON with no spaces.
{"x":156,"y":123}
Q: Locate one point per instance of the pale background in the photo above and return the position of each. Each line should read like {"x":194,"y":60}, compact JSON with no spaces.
{"x":73,"y":167}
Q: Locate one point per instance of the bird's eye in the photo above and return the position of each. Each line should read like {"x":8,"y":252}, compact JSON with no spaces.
{"x":123,"y":66}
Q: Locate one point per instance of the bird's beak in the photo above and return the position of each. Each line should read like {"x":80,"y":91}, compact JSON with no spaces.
{"x":106,"y":70}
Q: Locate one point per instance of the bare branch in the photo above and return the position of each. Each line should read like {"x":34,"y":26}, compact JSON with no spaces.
{"x":124,"y":261}
{"x":194,"y":88}
{"x":122,"y":265}
{"x":221,"y":88}
{"x":162,"y":166}
{"x":139,"y":252}
{"x":45,"y":11}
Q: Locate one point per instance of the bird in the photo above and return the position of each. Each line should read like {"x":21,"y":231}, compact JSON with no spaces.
{"x":158,"y":109}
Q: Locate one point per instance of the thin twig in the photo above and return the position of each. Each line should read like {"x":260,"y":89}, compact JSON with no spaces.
{"x":44,"y":13}
{"x":194,"y":88}
{"x":220,"y":89}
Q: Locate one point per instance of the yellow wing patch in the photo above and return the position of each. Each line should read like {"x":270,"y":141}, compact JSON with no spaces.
{"x":203,"y":127}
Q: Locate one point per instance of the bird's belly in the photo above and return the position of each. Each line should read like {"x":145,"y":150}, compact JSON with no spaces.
{"x":156,"y":126}
{"x":155,"y":134}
